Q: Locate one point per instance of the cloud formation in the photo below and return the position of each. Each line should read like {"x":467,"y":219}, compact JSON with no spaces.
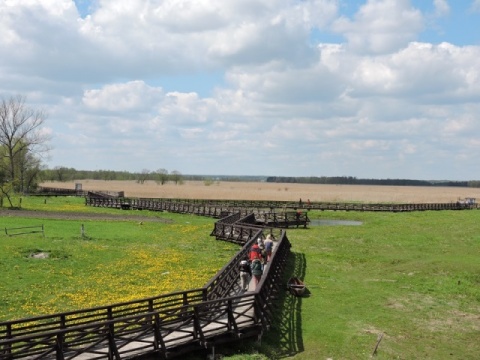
{"x":311,"y":88}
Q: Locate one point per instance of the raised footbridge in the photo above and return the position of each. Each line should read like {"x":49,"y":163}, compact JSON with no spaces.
{"x":278,"y":208}
{"x":169,"y":325}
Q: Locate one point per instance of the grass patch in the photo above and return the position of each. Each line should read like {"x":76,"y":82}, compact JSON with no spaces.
{"x":73,"y":204}
{"x":117,"y":261}
{"x":413,"y":277}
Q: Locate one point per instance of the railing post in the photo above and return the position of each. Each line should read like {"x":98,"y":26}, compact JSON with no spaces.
{"x":7,"y":349}
{"x":198,"y":333}
{"x":158,"y":339}
{"x":59,"y":346}
{"x":231,"y":319}
{"x":112,"y":346}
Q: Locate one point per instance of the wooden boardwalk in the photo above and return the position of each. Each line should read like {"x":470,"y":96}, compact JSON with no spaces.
{"x":165,"y":326}
{"x":218,"y":208}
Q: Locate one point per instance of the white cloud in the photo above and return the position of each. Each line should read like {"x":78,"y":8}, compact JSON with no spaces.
{"x":186,"y":109}
{"x":381,"y":26}
{"x":441,"y":7}
{"x":476,"y":5}
{"x":131,"y":96}
{"x":117,"y":86}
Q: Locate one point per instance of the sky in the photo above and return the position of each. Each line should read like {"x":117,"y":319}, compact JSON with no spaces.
{"x":383,"y":89}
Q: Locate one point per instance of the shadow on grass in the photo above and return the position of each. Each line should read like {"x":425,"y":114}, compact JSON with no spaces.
{"x":285,"y":337}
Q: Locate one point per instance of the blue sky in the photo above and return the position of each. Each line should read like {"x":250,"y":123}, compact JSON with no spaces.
{"x":372,"y":89}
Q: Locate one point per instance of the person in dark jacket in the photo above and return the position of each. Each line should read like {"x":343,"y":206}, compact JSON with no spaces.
{"x":257,"y":270}
{"x":245,"y":274}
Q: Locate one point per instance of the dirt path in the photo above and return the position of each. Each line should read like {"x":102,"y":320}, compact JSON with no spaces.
{"x":80,"y":216}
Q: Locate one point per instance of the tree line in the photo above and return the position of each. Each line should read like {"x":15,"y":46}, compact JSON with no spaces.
{"x":161,"y":176}
{"x":350,"y":180}
{"x":64,"y":174}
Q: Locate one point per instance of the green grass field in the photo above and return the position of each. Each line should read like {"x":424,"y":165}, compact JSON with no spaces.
{"x":114,"y":261}
{"x":412,"y":278}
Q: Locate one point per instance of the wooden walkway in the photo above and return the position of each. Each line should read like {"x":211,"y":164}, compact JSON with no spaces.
{"x":165,"y":326}
{"x":252,"y":216}
{"x":216,"y":208}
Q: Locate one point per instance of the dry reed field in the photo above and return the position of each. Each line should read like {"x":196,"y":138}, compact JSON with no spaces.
{"x":277,"y":191}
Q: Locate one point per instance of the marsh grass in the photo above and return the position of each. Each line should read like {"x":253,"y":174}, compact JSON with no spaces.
{"x":278,"y":191}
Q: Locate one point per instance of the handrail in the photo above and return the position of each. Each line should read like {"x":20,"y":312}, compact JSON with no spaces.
{"x":28,"y":325}
{"x":253,"y":205}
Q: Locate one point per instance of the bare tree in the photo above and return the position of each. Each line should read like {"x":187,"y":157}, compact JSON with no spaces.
{"x":176,"y":177}
{"x":21,"y":139}
{"x":161,"y":176}
{"x":143,"y":176}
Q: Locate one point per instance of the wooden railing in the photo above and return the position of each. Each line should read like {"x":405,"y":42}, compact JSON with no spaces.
{"x":167,"y":325}
{"x":25,"y":230}
{"x":221,"y":208}
{"x":254,"y":216}
{"x":48,"y":191}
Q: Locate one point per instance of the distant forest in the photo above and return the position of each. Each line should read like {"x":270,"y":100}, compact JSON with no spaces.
{"x":163,"y":176}
{"x":350,"y":180}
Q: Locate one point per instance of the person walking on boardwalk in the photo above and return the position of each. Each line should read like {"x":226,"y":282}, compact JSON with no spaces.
{"x":255,"y":253}
{"x":257,"y":271}
{"x":245,"y":274}
{"x":269,"y":246}
{"x":260,"y":242}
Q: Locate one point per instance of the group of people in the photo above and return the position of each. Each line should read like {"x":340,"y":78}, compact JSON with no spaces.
{"x":258,"y":257}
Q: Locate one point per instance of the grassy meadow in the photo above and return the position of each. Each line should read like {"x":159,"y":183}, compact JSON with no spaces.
{"x":114,"y":260}
{"x":410,"y":280}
